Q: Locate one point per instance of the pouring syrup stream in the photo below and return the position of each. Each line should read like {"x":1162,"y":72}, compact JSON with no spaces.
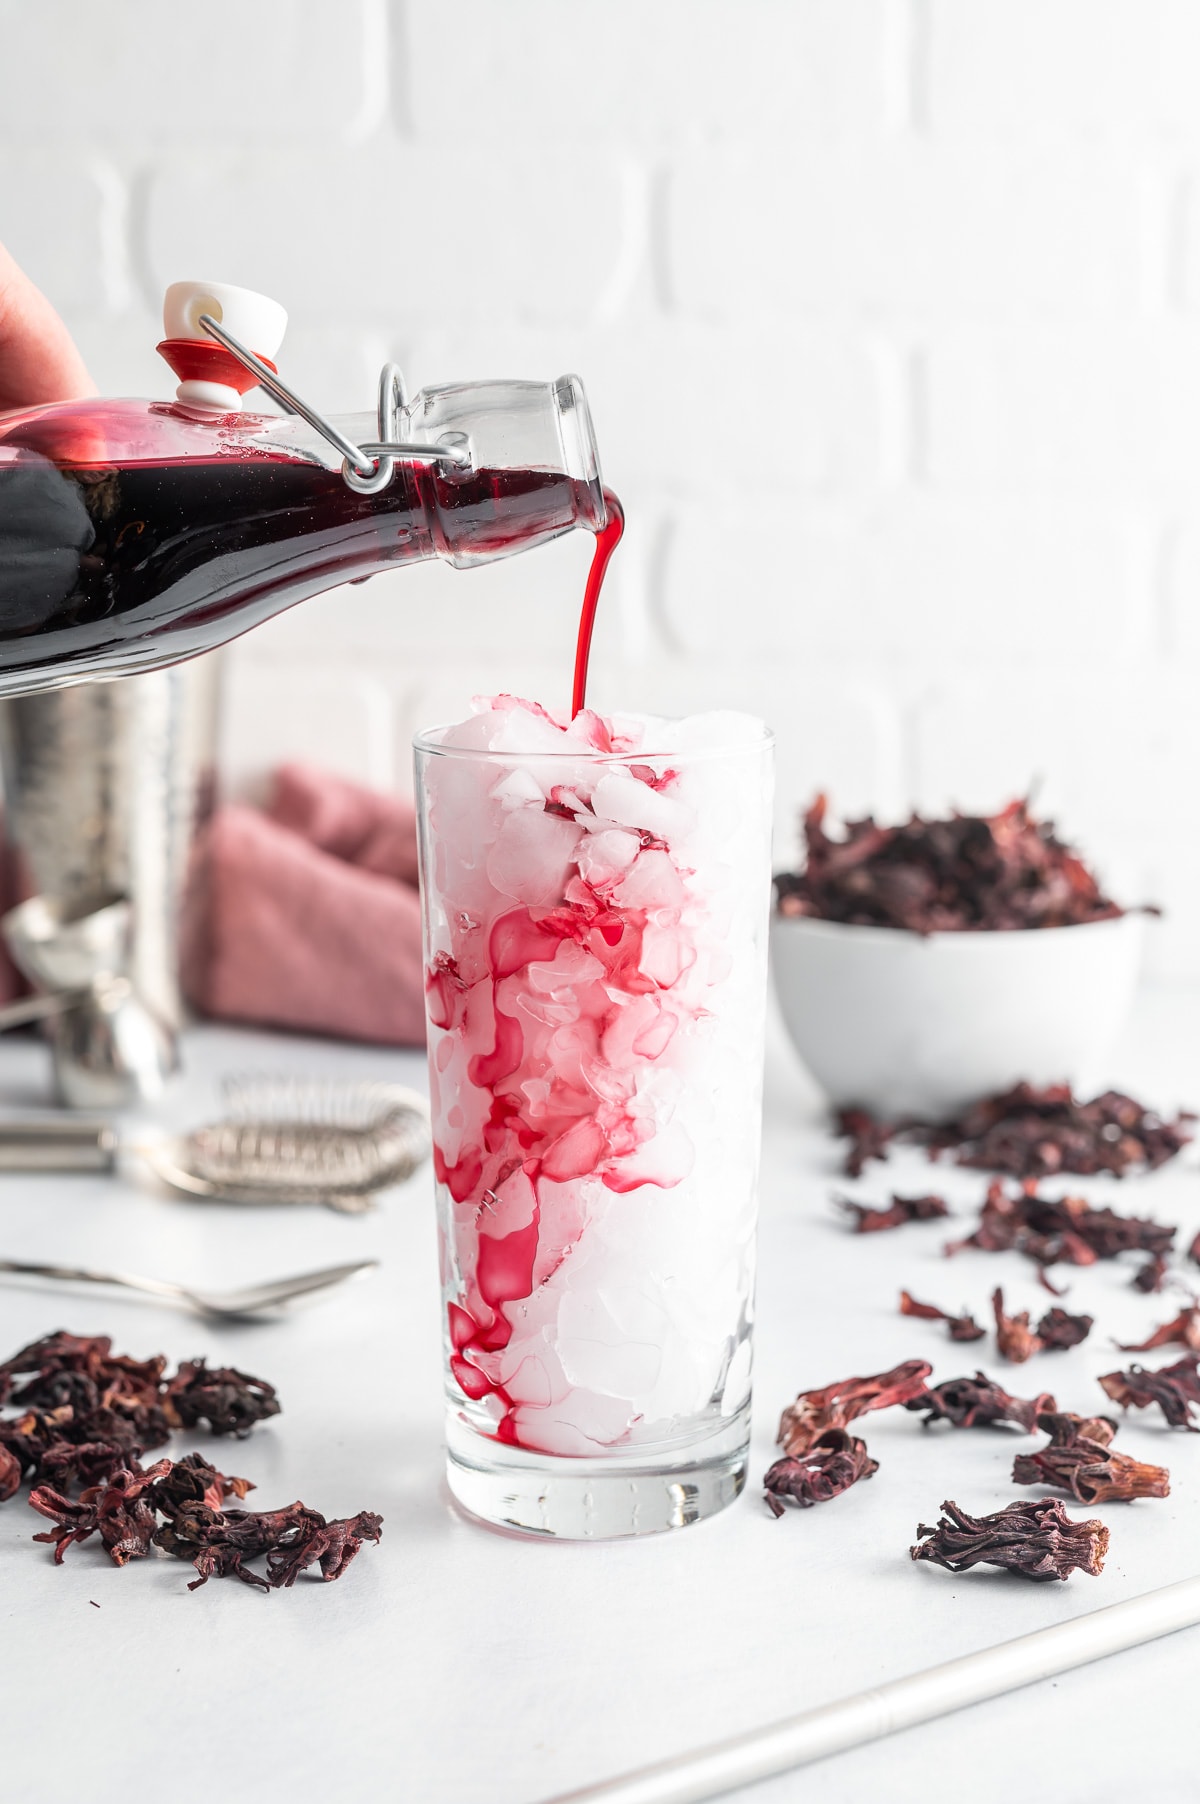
{"x":607,"y":540}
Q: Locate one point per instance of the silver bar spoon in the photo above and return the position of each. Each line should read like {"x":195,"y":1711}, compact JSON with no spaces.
{"x":256,"y":1300}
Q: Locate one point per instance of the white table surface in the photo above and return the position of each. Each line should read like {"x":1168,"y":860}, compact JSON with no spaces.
{"x":468,"y":1667}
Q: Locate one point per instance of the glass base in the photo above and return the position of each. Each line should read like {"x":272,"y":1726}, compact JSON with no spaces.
{"x":644,"y":1491}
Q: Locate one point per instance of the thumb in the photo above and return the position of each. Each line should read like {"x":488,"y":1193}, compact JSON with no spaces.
{"x":38,"y":358}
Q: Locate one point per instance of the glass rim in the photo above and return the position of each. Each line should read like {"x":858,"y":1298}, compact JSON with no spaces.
{"x":423,"y":741}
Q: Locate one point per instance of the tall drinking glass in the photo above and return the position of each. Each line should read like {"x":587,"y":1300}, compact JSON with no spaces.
{"x":595,"y":926}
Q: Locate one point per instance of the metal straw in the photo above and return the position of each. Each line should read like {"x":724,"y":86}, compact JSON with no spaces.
{"x":723,"y":1766}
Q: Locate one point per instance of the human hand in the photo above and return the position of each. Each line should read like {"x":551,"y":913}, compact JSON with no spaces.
{"x":38,"y":358}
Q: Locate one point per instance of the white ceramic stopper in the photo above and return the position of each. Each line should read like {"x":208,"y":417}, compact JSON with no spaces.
{"x":255,"y":319}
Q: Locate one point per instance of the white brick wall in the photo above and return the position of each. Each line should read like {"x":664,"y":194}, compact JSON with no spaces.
{"x":889,"y":311}
{"x":904,"y":229}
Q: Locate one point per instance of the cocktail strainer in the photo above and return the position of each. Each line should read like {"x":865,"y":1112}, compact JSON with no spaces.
{"x":282,"y":1140}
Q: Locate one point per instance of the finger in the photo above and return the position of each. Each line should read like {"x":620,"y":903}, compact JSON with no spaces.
{"x":38,"y":358}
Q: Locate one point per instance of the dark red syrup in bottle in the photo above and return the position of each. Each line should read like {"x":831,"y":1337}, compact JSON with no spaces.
{"x":125,"y":566}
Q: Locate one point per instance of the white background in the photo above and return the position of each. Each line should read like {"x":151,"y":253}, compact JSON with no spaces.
{"x":888,"y":310}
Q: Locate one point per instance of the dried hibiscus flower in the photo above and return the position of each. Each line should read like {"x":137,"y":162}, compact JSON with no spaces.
{"x":231,"y":1402}
{"x":1031,"y":1132}
{"x":978,"y":1403}
{"x":836,"y":1405}
{"x":87,"y":1414}
{"x":64,"y":1465}
{"x":124,"y":1511}
{"x":903,"y":1209}
{"x":116,"y":1509}
{"x":1034,"y":1132}
{"x":1182,"y":1331}
{"x":1079,"y":1460}
{"x":1151,"y":1277}
{"x":869,"y":1139}
{"x":329,"y":1545}
{"x":1105,"y":1232}
{"x":962,"y":1327}
{"x":1015,"y":1339}
{"x":1054,"y":1230}
{"x":80,"y":1391}
{"x":122,"y":1506}
{"x":1058,"y":1330}
{"x":1004,"y":870}
{"x":1176,"y":1389}
{"x":1005,"y":1226}
{"x":11,"y":1473}
{"x":193,"y":1480}
{"x":220,"y":1542}
{"x":1035,"y":1540}
{"x":28,"y":1438}
{"x":1063,"y":1427}
{"x":835,"y":1461}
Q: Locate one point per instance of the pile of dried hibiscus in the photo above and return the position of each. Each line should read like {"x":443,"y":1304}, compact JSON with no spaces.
{"x":1005,"y":871}
{"x":79,"y":1418}
{"x":1027,"y":1132}
{"x":1030,"y":1133}
{"x":964,"y":873}
{"x":1047,"y":1230}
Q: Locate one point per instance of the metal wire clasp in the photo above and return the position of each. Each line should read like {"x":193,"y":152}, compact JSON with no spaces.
{"x":365,"y":468}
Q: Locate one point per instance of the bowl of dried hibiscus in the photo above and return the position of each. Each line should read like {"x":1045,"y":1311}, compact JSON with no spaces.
{"x":921,"y":966}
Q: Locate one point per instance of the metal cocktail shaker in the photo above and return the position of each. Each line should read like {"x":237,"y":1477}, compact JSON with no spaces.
{"x":106,"y":785}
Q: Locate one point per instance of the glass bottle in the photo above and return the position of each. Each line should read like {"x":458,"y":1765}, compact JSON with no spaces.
{"x":134,"y":534}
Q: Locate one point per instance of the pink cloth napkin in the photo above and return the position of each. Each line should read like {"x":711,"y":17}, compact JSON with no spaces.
{"x":306,"y":916}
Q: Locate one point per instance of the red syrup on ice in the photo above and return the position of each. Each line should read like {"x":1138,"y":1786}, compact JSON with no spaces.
{"x":607,"y":540}
{"x":127,"y":564}
{"x":572,"y":1135}
{"x":569,"y":1131}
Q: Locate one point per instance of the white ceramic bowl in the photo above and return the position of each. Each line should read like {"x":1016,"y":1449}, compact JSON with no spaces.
{"x":902,"y":1025}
